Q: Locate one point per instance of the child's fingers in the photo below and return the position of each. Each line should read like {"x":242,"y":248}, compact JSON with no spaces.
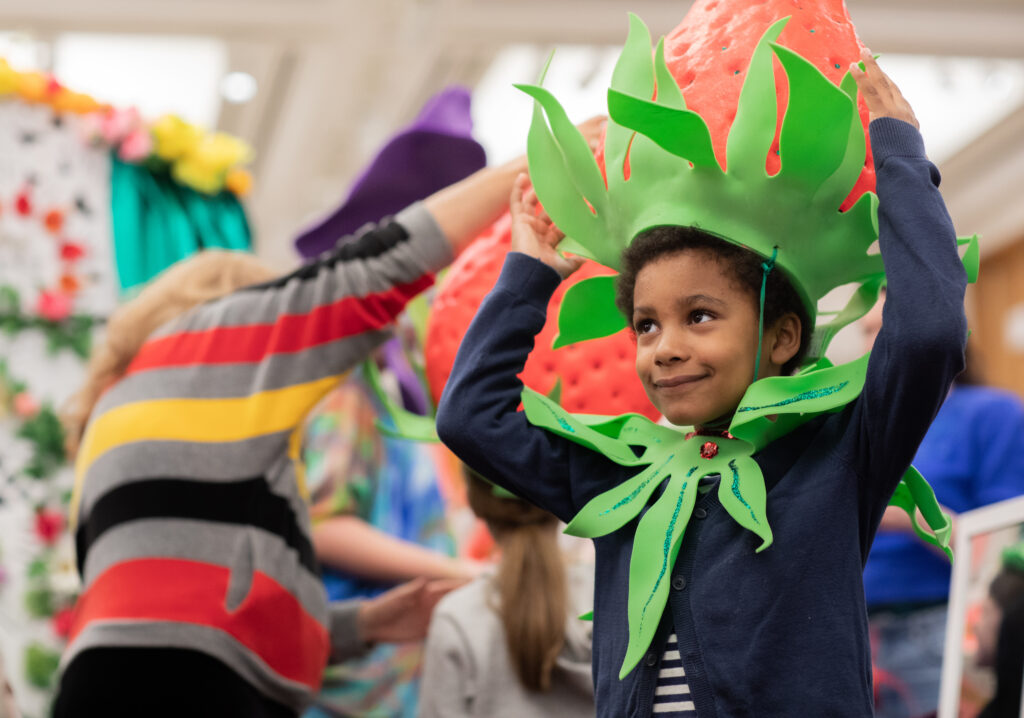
{"x":515,"y":200}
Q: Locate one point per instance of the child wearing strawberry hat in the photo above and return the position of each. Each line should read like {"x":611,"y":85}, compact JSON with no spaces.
{"x":728,"y":557}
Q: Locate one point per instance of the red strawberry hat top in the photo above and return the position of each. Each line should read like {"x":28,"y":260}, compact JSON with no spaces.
{"x":708,"y":54}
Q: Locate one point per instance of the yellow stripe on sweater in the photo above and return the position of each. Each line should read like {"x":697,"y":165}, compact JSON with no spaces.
{"x":204,"y":421}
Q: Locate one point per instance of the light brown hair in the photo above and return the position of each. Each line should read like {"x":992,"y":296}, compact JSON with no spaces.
{"x":531,"y":581}
{"x":189,"y":283}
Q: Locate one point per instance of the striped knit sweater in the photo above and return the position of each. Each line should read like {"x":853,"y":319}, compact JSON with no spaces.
{"x":192,"y":526}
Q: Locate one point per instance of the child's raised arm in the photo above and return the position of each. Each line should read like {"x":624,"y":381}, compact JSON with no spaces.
{"x":919,"y":350}
{"x":477,"y":416}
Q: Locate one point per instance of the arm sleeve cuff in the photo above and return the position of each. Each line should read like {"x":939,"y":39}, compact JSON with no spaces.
{"x":433,"y":247}
{"x":529,"y":279}
{"x":346,"y":642}
{"x":894,"y":138}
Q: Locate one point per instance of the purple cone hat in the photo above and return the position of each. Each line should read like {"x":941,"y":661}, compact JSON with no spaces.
{"x":434,"y":151}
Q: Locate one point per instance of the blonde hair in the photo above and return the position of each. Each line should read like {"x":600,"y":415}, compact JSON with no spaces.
{"x":531,"y":581}
{"x":189,"y":283}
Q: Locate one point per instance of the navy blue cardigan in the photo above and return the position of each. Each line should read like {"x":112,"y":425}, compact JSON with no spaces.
{"x":783,"y":632}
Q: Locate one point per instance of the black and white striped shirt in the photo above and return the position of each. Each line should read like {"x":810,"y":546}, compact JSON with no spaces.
{"x":672,"y":693}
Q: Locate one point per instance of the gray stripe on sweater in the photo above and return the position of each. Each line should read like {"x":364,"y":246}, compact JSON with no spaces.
{"x":227,"y":381}
{"x":230,"y":546}
{"x":157,"y":459}
{"x":427,"y":250}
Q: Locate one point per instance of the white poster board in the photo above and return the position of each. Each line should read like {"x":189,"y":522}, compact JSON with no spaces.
{"x":981,"y":536}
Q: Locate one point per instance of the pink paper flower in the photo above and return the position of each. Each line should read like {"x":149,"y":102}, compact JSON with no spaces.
{"x":54,"y":306}
{"x":25,"y":405}
{"x":118,"y":124}
{"x":62,"y":621}
{"x":136,"y":146}
{"x":49,"y":524}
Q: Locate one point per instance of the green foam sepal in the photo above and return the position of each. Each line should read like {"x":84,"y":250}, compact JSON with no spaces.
{"x":403,"y":424}
{"x":914,"y":493}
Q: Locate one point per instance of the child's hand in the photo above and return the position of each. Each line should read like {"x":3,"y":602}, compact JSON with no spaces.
{"x":533,"y":233}
{"x":882,"y":96}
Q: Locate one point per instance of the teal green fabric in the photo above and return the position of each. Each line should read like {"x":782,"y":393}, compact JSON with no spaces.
{"x":157,"y":222}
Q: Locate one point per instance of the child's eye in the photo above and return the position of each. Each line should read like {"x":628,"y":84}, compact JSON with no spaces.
{"x":699,"y":316}
{"x":644,"y":326}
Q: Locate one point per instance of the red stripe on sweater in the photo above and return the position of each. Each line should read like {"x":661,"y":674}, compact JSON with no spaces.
{"x":269,"y":621}
{"x":291,"y":333}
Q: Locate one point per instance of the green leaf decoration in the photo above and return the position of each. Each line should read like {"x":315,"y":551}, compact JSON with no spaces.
{"x":753,"y":130}
{"x":634,"y":75}
{"x":546,"y":414}
{"x":816,"y":128}
{"x":555,"y":395}
{"x":971,"y":258}
{"x":665,"y":455}
{"x":834,"y":190}
{"x":588,"y":312}
{"x":794,"y":400}
{"x":579,"y":159}
{"x":41,"y":665}
{"x":556,"y":182}
{"x":742,"y":492}
{"x":39,"y":602}
{"x":668,"y":92}
{"x":681,"y":132}
{"x":10,"y":301}
{"x":46,"y":434}
{"x":655,"y":547}
{"x":1012,"y":557}
{"x":914,"y":493}
{"x":863,"y":299}
{"x":406,"y":425}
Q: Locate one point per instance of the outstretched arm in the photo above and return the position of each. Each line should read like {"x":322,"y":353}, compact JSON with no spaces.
{"x":397,"y":616}
{"x":352,"y":545}
{"x":477,"y":417}
{"x":919,"y":349}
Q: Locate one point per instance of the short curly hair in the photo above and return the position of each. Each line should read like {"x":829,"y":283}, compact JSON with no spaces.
{"x":742,"y":265}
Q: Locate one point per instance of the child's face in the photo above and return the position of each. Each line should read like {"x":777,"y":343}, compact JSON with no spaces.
{"x":696,"y":337}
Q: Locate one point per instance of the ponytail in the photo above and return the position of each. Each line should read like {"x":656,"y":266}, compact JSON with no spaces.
{"x":531,"y":582}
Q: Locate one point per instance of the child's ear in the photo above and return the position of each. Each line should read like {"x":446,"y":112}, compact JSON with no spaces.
{"x":788,"y":330}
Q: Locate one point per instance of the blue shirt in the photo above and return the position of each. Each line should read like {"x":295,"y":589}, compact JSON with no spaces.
{"x":782,"y":632}
{"x":973,"y":455}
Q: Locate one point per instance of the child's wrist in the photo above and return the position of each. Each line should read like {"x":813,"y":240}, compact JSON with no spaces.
{"x":526,"y":275}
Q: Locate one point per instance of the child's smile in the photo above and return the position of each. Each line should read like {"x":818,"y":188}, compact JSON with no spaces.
{"x":696,"y":333}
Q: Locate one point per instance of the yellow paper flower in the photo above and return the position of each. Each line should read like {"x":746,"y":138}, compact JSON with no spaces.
{"x":206,"y":166}
{"x":174,"y":137}
{"x":221,"y":151}
{"x":8,"y":78}
{"x":191,"y":171}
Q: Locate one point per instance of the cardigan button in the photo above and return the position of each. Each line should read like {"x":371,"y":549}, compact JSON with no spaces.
{"x":679,"y":583}
{"x":651,"y":659}
{"x":700,"y":512}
